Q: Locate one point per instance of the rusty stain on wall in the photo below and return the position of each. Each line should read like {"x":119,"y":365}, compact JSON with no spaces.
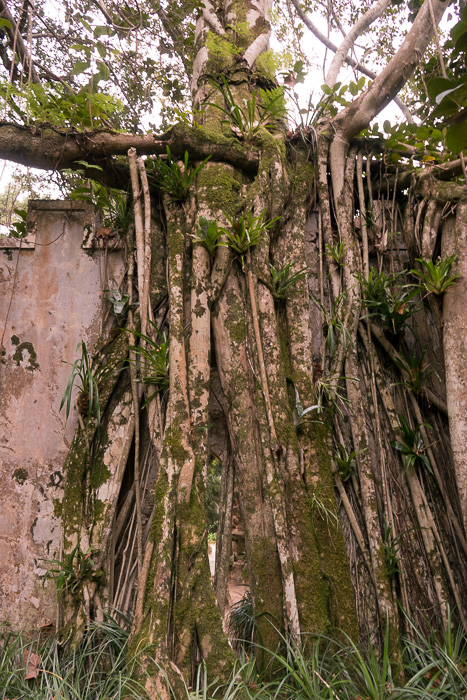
{"x":50,"y":299}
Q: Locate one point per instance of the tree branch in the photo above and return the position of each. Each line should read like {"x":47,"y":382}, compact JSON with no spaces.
{"x":103,"y":9}
{"x":257,"y":47}
{"x":211,"y":18}
{"x":51,"y":149}
{"x":351,"y":120}
{"x":170,"y":28}
{"x":358,"y":28}
{"x":17,"y":43}
{"x":348,"y":59}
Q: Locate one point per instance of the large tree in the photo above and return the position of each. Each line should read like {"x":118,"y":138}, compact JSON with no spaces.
{"x":272,"y":319}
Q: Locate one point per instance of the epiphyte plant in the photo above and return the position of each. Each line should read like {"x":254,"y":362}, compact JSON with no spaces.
{"x":153,"y":359}
{"x":345,"y":461}
{"x":171,"y":177}
{"x":435,"y":277}
{"x":300,"y":413}
{"x":114,"y":205}
{"x":70,"y":573}
{"x":283,"y":279}
{"x":334,"y":323}
{"x":118,"y":300}
{"x":328,"y":396}
{"x":246,"y":124}
{"x":416,"y":369}
{"x":246,"y":232}
{"x":337,"y":253}
{"x":391,"y":550}
{"x":87,"y":377}
{"x":386,"y":300}
{"x":411,"y":444}
{"x":208,"y":235}
{"x":319,"y":509}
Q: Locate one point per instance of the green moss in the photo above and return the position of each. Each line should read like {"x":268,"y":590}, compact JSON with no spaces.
{"x":55,"y":479}
{"x":99,"y":509}
{"x":237,"y":331}
{"x":285,"y":429}
{"x":221,"y":52}
{"x":330,"y":543}
{"x":33,"y":525}
{"x":173,"y":442}
{"x":74,"y":469}
{"x":284,"y":347}
{"x":29,"y":348}
{"x":235,"y":320}
{"x":57,"y":504}
{"x":20,"y":475}
{"x":220,"y":186}
{"x":100,"y":473}
{"x":270,"y":179}
{"x":312,"y":592}
{"x":161,"y":490}
{"x":86,"y":238}
{"x":266,"y":586}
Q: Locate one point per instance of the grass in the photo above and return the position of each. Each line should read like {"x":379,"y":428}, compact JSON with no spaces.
{"x":96,"y":669}
{"x":432,"y":665}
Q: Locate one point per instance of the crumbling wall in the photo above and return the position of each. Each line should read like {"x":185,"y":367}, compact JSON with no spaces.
{"x":51,"y":298}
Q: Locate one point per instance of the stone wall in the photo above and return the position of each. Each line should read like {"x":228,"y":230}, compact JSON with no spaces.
{"x":51,"y":298}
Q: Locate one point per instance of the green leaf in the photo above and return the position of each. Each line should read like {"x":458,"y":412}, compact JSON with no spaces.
{"x":461,"y":44}
{"x":326,"y":89}
{"x":299,"y":71}
{"x":85,"y":24}
{"x":102,"y":49}
{"x":387,"y":127}
{"x":446,"y":109}
{"x":80,"y":67}
{"x":456,"y":137}
{"x":89,"y":165}
{"x":5,"y":23}
{"x":82,"y":190}
{"x":103,"y":31}
{"x":104,"y":73}
{"x":459,"y":30}
{"x":440,"y":97}
{"x":437,"y":85}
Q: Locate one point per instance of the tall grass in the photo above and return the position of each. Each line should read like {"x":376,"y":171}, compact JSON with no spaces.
{"x":96,"y":669}
{"x":432,"y":665}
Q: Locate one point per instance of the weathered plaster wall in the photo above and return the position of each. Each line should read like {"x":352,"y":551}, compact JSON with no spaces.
{"x":50,"y":300}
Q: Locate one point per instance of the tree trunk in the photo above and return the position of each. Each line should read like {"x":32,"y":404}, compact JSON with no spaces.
{"x":334,"y":499}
